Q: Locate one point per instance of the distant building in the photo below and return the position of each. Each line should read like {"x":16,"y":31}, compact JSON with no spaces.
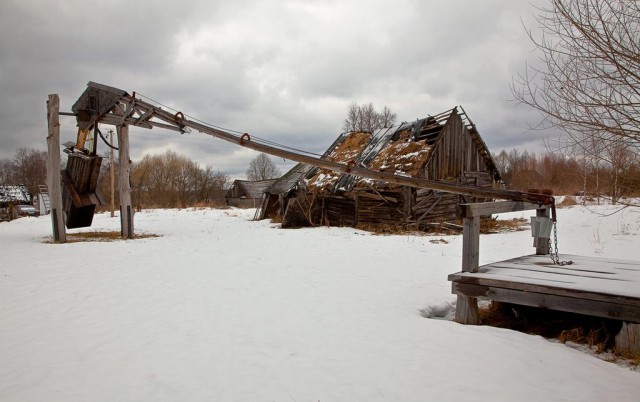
{"x":10,"y":196}
{"x":247,"y":194}
{"x":15,"y":195}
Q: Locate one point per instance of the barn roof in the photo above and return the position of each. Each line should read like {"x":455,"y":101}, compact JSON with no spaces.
{"x":289,"y":179}
{"x":250,"y":189}
{"x":14,"y":194}
{"x":403,"y":150}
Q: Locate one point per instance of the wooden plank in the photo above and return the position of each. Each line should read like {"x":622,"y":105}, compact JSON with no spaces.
{"x":597,"y":308}
{"x":489,"y":208}
{"x":75,"y":197}
{"x":557,"y":290}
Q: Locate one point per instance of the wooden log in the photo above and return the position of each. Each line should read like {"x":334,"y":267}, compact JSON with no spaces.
{"x":53,"y":169}
{"x":628,"y":339}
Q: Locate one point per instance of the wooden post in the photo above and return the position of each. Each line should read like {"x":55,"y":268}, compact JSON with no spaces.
{"x":124,"y":186}
{"x":53,"y":170}
{"x":467,"y":307}
{"x":112,"y":175}
{"x":628,"y":339}
{"x":540,"y":243}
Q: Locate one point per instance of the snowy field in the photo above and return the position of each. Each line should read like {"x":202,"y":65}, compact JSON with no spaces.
{"x":220,"y":308}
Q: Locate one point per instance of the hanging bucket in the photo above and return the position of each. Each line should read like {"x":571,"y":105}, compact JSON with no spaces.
{"x":541,"y":227}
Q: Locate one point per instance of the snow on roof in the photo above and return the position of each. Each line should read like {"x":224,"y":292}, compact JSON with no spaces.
{"x":346,"y":150}
{"x":249,"y":189}
{"x":17,"y":193}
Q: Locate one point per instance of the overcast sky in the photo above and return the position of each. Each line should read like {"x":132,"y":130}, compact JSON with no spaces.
{"x":285,"y":71}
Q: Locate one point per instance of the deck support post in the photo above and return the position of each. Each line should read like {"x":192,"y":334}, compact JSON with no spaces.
{"x":467,"y":307}
{"x":124,"y":185}
{"x":628,"y":339}
{"x":53,"y":169}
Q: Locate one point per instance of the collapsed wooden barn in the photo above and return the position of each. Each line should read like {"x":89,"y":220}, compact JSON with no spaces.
{"x":444,"y":147}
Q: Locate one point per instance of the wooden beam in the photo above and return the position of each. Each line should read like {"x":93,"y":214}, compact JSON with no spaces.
{"x":53,"y":170}
{"x":490,"y":208}
{"x":545,"y":289}
{"x":594,"y":308}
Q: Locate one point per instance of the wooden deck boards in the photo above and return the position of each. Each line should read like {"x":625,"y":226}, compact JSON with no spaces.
{"x":594,"y":286}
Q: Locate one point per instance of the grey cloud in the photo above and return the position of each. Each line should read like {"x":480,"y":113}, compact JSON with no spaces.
{"x":281,"y":71}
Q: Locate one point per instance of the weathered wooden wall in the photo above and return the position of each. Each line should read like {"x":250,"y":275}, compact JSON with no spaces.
{"x":454,"y":153}
{"x":81,"y":181}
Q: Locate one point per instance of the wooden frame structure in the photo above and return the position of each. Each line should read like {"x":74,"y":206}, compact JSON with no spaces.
{"x":102,"y":104}
{"x":590,"y":286}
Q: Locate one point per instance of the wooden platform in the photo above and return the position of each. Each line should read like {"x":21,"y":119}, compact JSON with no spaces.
{"x":593,"y":286}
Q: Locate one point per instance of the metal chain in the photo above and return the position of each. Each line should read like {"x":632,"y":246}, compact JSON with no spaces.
{"x":554,"y":253}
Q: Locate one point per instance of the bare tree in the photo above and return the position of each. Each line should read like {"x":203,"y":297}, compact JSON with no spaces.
{"x":174,"y":180}
{"x":588,"y":80}
{"x":262,"y":168}
{"x":366,"y":118}
{"x":28,"y":167}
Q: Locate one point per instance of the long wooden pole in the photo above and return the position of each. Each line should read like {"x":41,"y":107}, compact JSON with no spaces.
{"x":179,"y":122}
{"x":53,"y":169}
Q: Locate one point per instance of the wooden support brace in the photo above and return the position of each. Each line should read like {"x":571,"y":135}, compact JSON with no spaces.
{"x":467,"y":307}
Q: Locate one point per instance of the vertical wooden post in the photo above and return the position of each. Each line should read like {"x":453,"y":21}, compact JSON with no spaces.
{"x":541,"y":244}
{"x":53,"y":170}
{"x":124,"y":186}
{"x":628,"y":339}
{"x":112,"y":175}
{"x":467,"y":307}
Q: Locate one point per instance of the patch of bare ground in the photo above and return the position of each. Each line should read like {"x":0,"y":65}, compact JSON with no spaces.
{"x":587,"y":332}
{"x":101,"y":236}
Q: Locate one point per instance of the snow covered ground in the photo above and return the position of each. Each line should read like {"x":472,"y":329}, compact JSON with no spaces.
{"x":220,"y":308}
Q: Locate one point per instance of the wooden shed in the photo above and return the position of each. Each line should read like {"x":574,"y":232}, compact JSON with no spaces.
{"x":246,"y":193}
{"x":445,"y":147}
